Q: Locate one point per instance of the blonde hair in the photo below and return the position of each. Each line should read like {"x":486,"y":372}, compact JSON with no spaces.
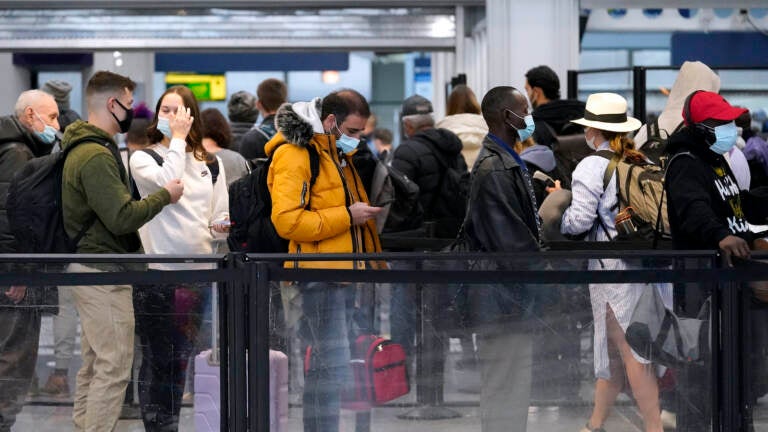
{"x":624,"y":146}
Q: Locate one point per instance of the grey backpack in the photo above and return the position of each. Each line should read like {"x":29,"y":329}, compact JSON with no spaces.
{"x":658,"y":335}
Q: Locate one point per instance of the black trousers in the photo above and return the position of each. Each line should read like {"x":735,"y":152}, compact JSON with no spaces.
{"x":19,"y":334}
{"x":168,"y":319}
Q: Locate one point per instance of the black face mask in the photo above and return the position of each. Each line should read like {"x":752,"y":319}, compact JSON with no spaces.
{"x":125,"y":123}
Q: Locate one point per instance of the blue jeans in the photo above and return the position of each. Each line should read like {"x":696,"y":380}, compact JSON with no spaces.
{"x":402,"y":309}
{"x":327,"y":326}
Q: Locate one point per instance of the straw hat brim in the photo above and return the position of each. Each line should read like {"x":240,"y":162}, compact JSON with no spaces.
{"x":630,"y":125}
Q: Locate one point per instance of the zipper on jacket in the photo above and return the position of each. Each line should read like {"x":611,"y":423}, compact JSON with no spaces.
{"x":347,"y":194}
{"x":304,"y":195}
{"x":298,"y":251}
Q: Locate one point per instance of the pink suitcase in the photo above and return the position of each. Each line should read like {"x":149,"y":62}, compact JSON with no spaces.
{"x":207,"y":391}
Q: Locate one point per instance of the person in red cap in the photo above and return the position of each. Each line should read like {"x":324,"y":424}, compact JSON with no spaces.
{"x":706,"y":211}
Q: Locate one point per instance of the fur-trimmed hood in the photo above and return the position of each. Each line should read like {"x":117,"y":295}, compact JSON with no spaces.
{"x":297,"y":123}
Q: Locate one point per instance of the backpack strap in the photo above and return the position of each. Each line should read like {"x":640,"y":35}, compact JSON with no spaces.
{"x":213,"y":166}
{"x":155,"y":155}
{"x":65,"y":152}
{"x":314,"y":167}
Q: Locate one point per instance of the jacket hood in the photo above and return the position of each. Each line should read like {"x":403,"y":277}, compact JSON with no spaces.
{"x":297,"y":123}
{"x":539,"y":155}
{"x":692,"y":76}
{"x":559,"y":111}
{"x":442,"y":139}
{"x":465,"y":125}
{"x":81,"y":129}
{"x":12,"y":131}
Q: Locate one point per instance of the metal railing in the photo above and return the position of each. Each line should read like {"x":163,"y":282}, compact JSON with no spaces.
{"x":244,"y":305}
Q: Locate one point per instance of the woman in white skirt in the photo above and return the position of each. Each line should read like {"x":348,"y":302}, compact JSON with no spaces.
{"x":593,"y":210}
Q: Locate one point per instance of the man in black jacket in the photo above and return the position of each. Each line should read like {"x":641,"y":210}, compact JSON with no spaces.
{"x":552,"y":115}
{"x":502,"y":217}
{"x":28,"y":133}
{"x":271,"y":93}
{"x":706,"y":211}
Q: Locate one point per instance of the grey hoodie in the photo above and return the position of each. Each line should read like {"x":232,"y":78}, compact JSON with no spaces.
{"x":693,"y":76}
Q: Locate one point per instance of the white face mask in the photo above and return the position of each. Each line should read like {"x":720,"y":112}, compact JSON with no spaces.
{"x":590,"y":141}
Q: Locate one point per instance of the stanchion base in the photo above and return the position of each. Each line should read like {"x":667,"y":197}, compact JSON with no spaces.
{"x":429,"y":412}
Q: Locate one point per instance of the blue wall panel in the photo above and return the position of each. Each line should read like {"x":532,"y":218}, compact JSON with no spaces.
{"x":721,"y":49}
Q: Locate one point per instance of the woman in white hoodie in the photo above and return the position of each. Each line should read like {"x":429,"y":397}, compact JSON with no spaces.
{"x":168,"y":316}
{"x":464,"y":120}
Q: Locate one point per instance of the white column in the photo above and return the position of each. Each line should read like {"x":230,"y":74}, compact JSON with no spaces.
{"x":16,"y":79}
{"x":443,"y":69}
{"x":136,"y":65}
{"x":523,"y":34}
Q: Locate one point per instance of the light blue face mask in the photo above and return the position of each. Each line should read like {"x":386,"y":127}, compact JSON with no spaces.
{"x":524,"y":134}
{"x":725,"y":138}
{"x":48,"y":135}
{"x":345,"y":142}
{"x":164,"y":126}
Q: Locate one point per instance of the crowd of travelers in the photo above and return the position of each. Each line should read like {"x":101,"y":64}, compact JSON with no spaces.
{"x":478,"y":176}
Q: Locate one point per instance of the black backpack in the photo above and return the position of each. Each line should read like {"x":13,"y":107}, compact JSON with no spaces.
{"x":34,"y":205}
{"x":397,"y":195}
{"x":449,"y":203}
{"x":655,"y":147}
{"x":250,"y":209}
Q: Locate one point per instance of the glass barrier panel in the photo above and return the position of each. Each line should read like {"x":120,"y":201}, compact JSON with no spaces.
{"x":490,"y":352}
{"x":133,"y":350}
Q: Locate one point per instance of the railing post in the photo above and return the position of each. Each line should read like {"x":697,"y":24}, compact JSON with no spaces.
{"x":223,"y":295}
{"x":573,"y":84}
{"x":236,"y":333}
{"x":258,"y":346}
{"x":729,"y":365}
{"x":639,"y":93}
{"x":430,"y":359}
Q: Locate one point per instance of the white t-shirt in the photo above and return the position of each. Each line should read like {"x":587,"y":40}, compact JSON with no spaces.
{"x":181,"y":228}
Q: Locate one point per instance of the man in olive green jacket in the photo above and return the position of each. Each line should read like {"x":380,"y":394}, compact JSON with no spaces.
{"x":95,"y":193}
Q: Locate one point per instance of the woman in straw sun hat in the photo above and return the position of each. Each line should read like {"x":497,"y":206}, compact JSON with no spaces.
{"x":592,"y":212}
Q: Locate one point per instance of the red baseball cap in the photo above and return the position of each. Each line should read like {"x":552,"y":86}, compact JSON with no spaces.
{"x":706,"y":105}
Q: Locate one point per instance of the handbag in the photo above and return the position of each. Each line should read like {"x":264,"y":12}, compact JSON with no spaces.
{"x":659,"y":335}
{"x":379,"y":373}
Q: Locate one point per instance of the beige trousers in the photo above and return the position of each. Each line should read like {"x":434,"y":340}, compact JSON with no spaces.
{"x":106,"y":316}
{"x":506,"y":354}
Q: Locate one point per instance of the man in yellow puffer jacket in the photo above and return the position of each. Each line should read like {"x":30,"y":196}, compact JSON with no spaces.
{"x":331,"y":216}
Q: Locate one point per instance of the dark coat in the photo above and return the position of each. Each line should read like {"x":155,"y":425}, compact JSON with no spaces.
{"x":17,"y":146}
{"x":239,"y":129}
{"x":416,"y":159}
{"x":501,"y":218}
{"x":253,"y":142}
{"x":700,"y":214}
{"x":554,"y":118}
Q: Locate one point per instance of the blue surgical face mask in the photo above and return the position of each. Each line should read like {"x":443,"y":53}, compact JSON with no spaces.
{"x":524,"y":134}
{"x":345,"y":142}
{"x":164,"y":126}
{"x":48,"y":135}
{"x":725,"y":138}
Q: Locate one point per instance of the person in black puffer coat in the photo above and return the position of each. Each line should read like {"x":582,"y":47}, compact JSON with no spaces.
{"x":415,"y":157}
